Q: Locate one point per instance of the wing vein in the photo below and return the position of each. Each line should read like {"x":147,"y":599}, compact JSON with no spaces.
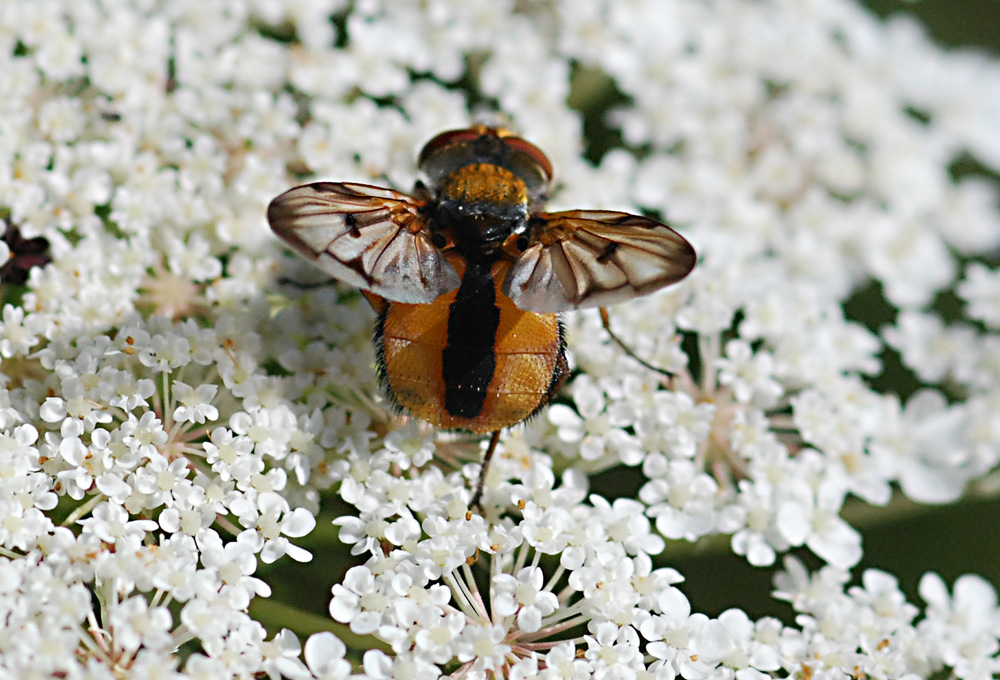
{"x":590,"y":258}
{"x":369,"y":237}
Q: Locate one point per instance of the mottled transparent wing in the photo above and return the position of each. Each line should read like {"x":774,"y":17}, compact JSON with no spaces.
{"x":366,"y":236}
{"x":593,"y":258}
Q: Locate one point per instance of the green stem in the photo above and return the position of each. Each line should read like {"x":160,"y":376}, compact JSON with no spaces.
{"x":84,"y":509}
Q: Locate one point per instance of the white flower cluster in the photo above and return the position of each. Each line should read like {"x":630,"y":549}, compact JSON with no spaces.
{"x":171,"y":417}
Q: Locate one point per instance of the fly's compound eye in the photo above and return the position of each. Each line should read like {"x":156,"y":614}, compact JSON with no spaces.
{"x":455,"y":149}
{"x":527,"y":161}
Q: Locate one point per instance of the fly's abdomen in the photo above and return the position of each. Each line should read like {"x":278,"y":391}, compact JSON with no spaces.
{"x":470,"y":360}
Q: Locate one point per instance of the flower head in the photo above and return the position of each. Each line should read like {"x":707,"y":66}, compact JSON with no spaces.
{"x":179,"y":398}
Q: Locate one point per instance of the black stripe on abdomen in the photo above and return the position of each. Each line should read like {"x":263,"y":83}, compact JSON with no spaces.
{"x":468,"y":361}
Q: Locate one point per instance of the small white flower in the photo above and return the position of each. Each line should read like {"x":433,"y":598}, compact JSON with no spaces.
{"x":523,"y":595}
{"x":193,"y":260}
{"x":269,"y":521}
{"x":681,"y":499}
{"x":812,"y":519}
{"x":961,"y":629}
{"x":232,"y":456}
{"x":881,"y":593}
{"x":929,"y":348}
{"x":20,"y":527}
{"x":483,"y":646}
{"x":625,"y":523}
{"x":730,"y":641}
{"x":281,"y":655}
{"x":134,"y":623}
{"x":130,"y":393}
{"x":358,"y":601}
{"x":438,"y":633}
{"x":196,"y":403}
{"x":380,"y":666}
{"x":912,"y":263}
{"x":925,"y":443}
{"x":19,"y":333}
{"x":112,"y":523}
{"x":610,"y":647}
{"x":165,"y":353}
{"x":981,"y":292}
{"x":676,"y":424}
{"x":749,"y":375}
{"x":563,"y":663}
{"x":324,"y":655}
{"x":144,"y":435}
{"x":61,"y":119}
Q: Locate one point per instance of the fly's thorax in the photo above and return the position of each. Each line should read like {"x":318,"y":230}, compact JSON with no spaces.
{"x":484,"y":183}
{"x":482,"y":204}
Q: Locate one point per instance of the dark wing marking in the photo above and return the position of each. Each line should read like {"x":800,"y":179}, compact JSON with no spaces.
{"x":366,"y":236}
{"x":593,"y":258}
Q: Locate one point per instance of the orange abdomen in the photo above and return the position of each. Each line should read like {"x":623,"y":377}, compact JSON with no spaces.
{"x":470,"y":360}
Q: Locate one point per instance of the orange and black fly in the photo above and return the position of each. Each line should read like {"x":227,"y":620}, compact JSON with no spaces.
{"x":468,"y":274}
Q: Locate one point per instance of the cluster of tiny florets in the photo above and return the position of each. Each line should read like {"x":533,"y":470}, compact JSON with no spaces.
{"x":179,"y":397}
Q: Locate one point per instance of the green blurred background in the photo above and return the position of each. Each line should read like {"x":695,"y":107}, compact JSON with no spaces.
{"x":952,"y":23}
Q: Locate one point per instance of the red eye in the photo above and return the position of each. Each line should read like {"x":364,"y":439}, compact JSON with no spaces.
{"x":531,"y":151}
{"x":447,"y":139}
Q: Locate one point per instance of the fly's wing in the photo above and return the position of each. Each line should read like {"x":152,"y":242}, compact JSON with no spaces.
{"x":366,"y":236}
{"x":593,"y":258}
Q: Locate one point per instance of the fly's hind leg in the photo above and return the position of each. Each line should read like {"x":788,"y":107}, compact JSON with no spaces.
{"x":478,"y":495}
{"x":606,"y":322}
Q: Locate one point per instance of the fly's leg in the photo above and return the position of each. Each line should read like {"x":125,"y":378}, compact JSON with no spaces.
{"x":478,"y":495}
{"x":606,"y":322}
